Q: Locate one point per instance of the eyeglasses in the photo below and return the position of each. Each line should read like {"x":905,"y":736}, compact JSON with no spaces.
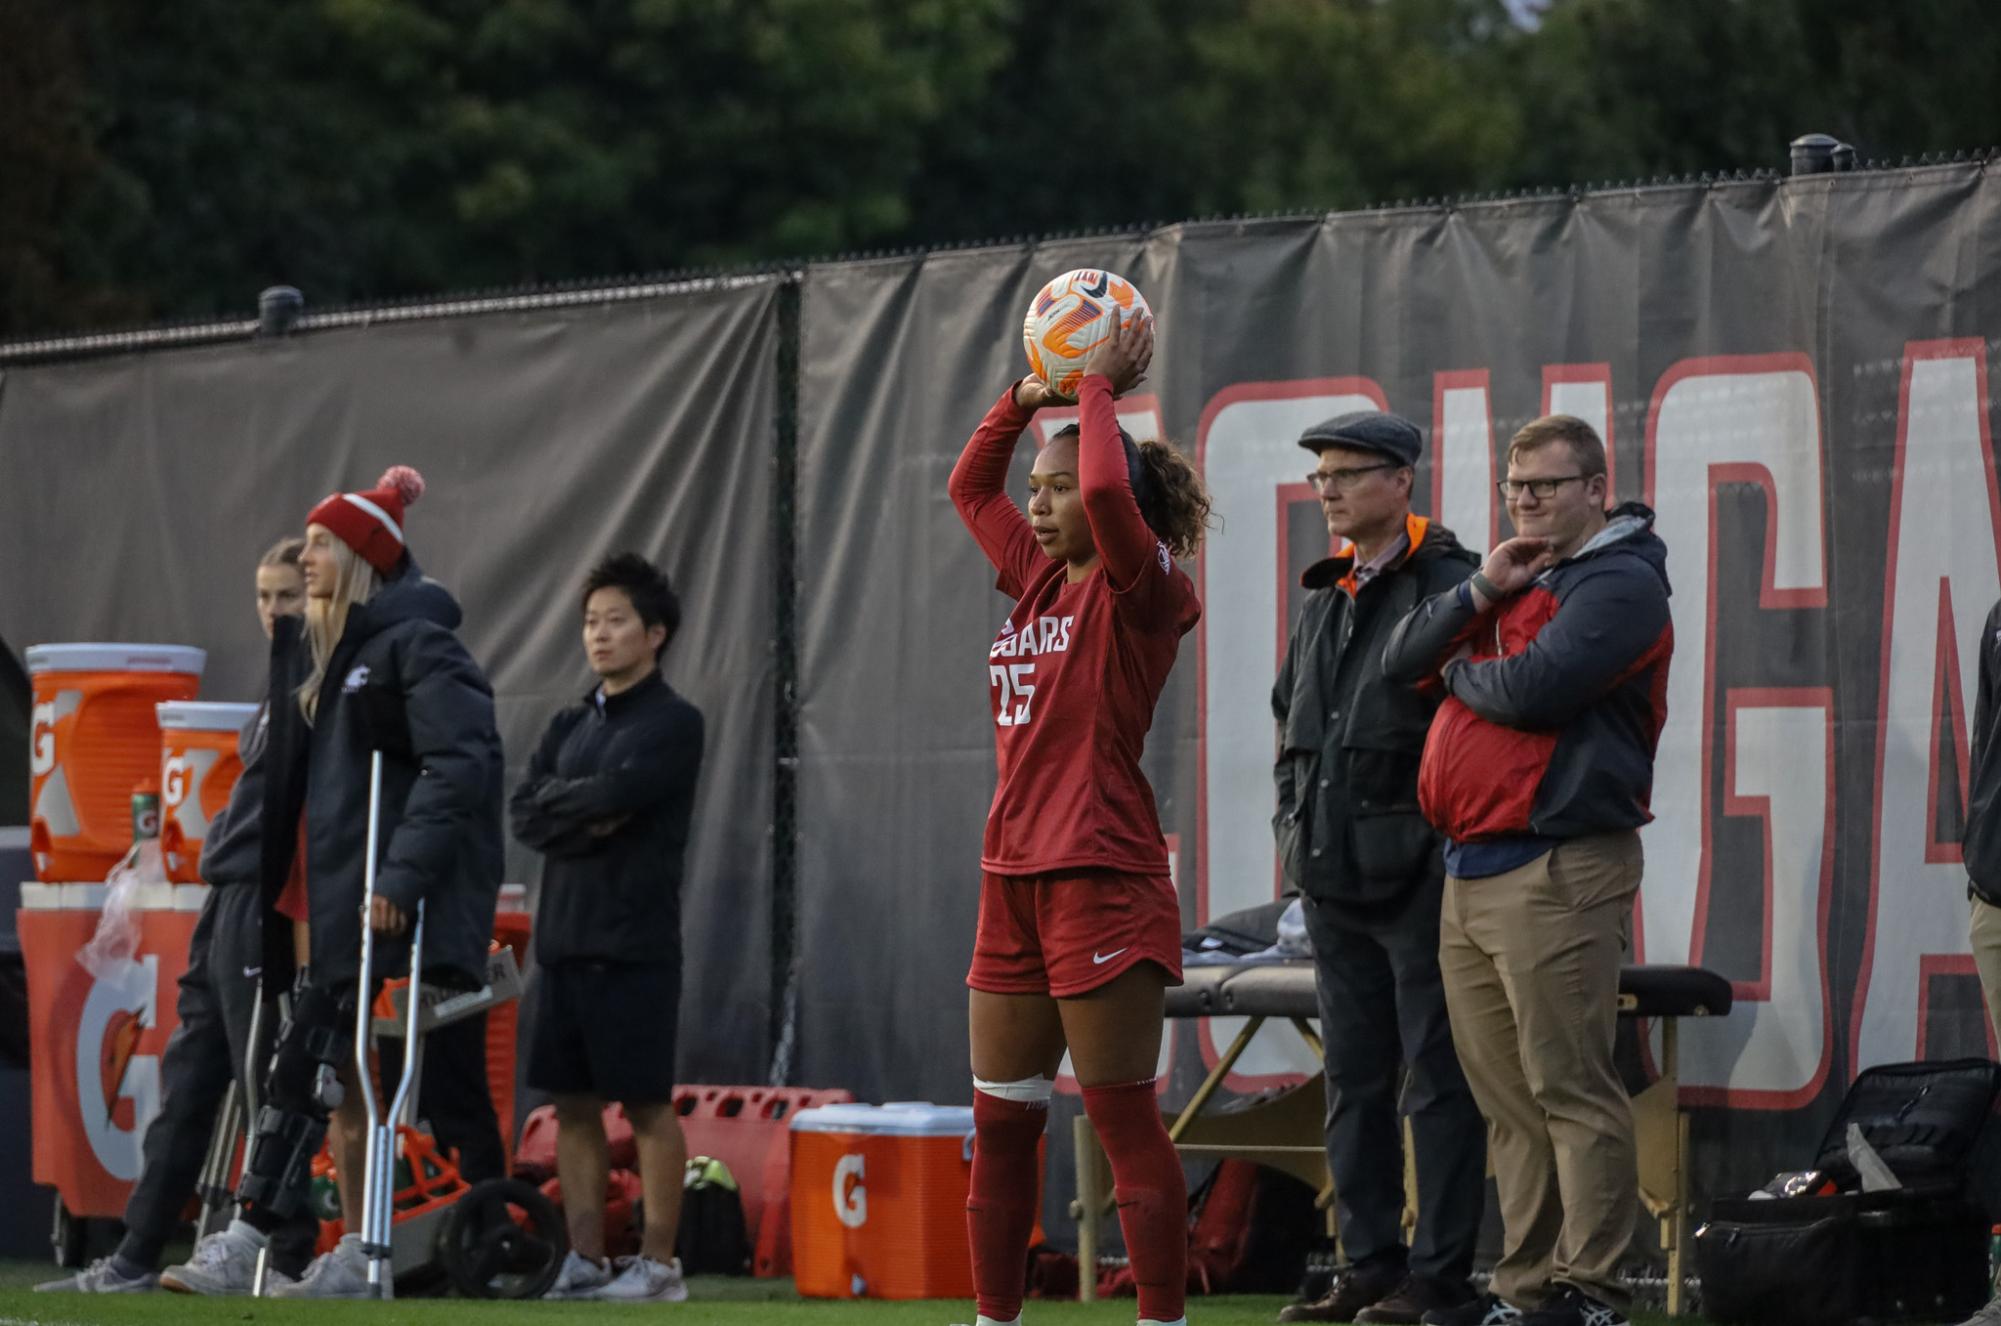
{"x":1543,"y":489}
{"x":1340,"y":481}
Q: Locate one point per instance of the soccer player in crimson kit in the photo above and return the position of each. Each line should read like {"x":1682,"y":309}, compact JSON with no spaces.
{"x":1080,"y":929}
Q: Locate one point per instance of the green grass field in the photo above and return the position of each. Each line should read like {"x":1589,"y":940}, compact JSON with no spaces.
{"x":721,"y":1301}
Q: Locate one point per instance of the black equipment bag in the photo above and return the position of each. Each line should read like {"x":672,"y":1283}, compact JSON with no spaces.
{"x":712,"y":1239}
{"x":1915,"y":1253}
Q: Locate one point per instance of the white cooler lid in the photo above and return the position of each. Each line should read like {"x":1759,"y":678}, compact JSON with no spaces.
{"x":899,"y":1118}
{"x":116,"y":658}
{"x":203,"y":715}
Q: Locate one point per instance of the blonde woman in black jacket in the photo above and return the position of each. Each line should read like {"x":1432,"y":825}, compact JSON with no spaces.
{"x":377,"y":667}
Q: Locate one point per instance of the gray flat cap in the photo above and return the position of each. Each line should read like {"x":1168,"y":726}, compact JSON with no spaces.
{"x":1371,"y":430}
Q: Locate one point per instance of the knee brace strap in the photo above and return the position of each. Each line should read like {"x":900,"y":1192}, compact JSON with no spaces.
{"x":1024,"y":1091}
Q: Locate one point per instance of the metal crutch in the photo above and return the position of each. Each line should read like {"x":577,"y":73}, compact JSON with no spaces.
{"x":213,"y":1184}
{"x":239,"y":1113}
{"x":379,"y":1173}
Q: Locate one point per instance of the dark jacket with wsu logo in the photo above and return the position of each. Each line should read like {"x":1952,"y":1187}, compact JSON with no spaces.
{"x":398,"y":679}
{"x":1551,"y":724}
{"x":1349,"y":739}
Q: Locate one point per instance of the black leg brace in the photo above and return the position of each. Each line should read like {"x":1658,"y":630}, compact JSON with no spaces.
{"x":301,"y":1091}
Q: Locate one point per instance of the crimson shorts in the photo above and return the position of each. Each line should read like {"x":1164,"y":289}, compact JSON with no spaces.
{"x":1063,"y":935}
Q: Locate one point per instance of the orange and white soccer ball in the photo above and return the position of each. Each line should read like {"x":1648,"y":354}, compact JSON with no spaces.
{"x":1071,"y":315}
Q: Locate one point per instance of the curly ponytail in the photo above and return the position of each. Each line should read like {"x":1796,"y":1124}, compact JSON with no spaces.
{"x":1177,"y":503}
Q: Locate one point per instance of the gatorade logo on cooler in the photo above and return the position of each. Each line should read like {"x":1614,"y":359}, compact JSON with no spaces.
{"x":42,"y":741}
{"x":119,"y":1006}
{"x":850,"y":1199}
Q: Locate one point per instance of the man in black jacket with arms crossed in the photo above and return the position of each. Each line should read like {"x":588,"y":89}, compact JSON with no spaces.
{"x":607,"y":801}
{"x":1352,"y":840}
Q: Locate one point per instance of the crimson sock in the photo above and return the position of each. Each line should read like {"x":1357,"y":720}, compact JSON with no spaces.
{"x":1151,"y":1190}
{"x":1000,"y":1203}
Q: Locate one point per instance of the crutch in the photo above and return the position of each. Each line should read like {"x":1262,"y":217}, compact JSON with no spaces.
{"x":379,"y":1175}
{"x":213,"y":1184}
{"x":239,"y":1111}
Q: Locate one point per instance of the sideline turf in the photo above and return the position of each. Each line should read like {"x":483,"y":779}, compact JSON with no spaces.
{"x":722,"y":1301}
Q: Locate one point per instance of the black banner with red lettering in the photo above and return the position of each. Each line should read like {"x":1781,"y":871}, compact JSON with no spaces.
{"x":1794,"y":374}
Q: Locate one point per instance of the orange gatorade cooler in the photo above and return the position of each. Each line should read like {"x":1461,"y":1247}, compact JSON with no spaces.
{"x":96,"y":737}
{"x":199,"y":765}
{"x":879,"y":1201}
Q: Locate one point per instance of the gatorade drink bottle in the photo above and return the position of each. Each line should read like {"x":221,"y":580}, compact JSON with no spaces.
{"x":145,"y":811}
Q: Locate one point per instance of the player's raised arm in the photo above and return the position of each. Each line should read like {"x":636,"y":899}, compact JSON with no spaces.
{"x":978,"y":485}
{"x":1110,"y":472}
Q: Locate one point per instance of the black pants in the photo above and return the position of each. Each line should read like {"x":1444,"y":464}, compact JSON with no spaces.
{"x":1382,"y":1005}
{"x":204,"y":1054}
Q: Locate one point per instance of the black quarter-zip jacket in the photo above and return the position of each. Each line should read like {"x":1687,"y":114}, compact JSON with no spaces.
{"x":607,"y":801}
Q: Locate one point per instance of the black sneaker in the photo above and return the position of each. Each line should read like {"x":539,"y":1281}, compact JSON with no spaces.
{"x":1567,"y":1305}
{"x":1487,"y":1311}
{"x":1416,"y":1296}
{"x":1352,"y":1291}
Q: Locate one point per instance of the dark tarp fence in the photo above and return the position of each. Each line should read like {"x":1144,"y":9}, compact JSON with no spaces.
{"x":1794,"y":373}
{"x":137,"y":492}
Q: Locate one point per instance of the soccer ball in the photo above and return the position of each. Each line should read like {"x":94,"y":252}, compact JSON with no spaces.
{"x":1069,"y":316}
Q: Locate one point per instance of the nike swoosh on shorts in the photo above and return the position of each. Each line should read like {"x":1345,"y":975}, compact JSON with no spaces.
{"x":1097,"y":961}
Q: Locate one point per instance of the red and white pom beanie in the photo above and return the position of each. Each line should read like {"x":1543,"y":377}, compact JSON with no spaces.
{"x":371,"y":522}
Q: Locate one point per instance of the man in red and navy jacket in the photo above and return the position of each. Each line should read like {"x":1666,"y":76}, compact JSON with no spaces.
{"x":1538,"y":768}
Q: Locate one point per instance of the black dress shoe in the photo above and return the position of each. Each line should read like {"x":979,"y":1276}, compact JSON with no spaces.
{"x":1416,"y":1296}
{"x":1352,"y":1291}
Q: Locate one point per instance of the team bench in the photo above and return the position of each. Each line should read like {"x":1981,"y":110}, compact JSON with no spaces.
{"x":1285,"y":1130}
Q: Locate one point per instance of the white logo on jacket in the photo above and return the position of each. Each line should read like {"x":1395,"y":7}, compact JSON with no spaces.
{"x":355,"y":679}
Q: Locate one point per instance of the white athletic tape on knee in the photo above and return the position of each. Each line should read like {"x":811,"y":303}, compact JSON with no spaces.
{"x":1028,"y":1091}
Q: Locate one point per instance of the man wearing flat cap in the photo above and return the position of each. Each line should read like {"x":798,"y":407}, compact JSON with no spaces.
{"x":1352,"y":840}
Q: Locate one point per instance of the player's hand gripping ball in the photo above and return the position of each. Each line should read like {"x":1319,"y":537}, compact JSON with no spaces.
{"x":1071,"y":315}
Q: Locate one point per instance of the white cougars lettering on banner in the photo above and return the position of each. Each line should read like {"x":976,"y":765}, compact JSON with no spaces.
{"x":1247,"y":447}
{"x":1942,"y":573}
{"x":1742,"y":419}
{"x":1463,"y":496}
{"x":1584,"y":391}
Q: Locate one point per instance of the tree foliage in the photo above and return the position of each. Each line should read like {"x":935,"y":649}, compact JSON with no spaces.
{"x":167,"y":160}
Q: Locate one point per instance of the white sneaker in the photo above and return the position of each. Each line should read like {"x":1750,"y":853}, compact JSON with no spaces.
{"x":578,"y":1277}
{"x":100,"y":1277}
{"x":223,"y":1263}
{"x":643,"y":1280}
{"x":342,"y":1273}
{"x":275,"y":1280}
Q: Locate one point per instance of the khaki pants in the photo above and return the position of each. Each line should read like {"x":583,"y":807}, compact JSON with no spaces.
{"x":1530,"y":960}
{"x":1985,"y":932}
